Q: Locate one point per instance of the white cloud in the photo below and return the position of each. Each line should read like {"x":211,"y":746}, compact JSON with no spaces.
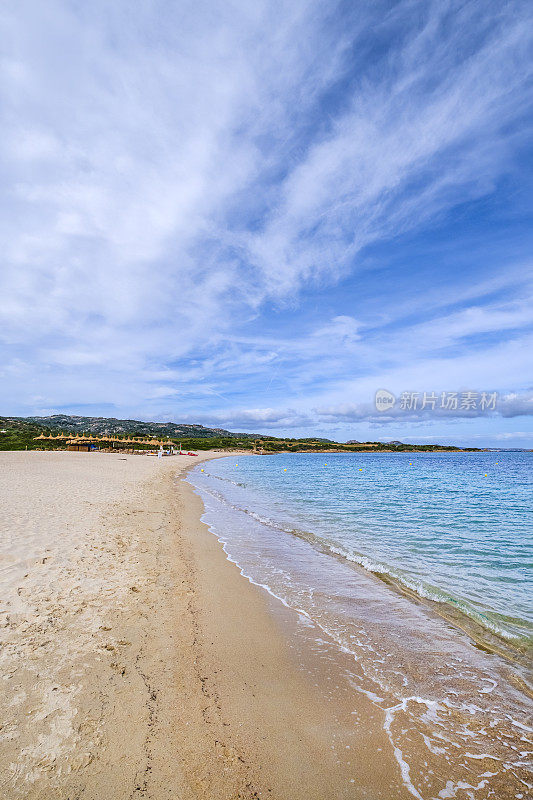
{"x":255,"y":419}
{"x":400,"y":153}
{"x":509,"y":405}
{"x":171,"y":170}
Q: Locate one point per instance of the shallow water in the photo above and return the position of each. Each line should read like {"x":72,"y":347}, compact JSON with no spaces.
{"x":455,"y":528}
{"x":450,"y":527}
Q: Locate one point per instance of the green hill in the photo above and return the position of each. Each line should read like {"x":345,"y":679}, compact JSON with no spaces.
{"x":110,"y":426}
{"x":17,"y":433}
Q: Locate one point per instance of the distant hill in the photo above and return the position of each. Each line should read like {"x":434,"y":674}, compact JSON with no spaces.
{"x":110,"y":426}
{"x":18,"y":433}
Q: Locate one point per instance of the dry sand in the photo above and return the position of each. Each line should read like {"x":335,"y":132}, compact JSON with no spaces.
{"x":137,"y":662}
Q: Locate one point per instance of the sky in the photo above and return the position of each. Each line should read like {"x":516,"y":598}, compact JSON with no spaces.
{"x":255,"y":215}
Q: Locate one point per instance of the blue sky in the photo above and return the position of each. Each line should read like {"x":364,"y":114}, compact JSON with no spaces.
{"x":255,"y":215}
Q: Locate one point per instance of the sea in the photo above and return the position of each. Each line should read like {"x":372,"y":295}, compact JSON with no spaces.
{"x":418,"y":566}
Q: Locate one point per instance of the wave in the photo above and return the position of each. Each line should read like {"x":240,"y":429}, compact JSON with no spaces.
{"x":481,"y":627}
{"x":228,"y":480}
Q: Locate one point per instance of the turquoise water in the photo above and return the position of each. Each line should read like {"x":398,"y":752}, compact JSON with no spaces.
{"x":453,"y":527}
{"x":326,"y":534}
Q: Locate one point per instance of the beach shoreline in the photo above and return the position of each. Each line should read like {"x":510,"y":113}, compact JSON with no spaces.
{"x":456,"y":714}
{"x":136,"y":660}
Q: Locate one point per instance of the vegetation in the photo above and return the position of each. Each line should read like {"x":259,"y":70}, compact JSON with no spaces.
{"x":272,"y":444}
{"x":110,"y":426}
{"x":17,"y":433}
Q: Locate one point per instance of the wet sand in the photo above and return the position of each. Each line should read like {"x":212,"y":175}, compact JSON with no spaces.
{"x":137,"y":662}
{"x":457,"y":717}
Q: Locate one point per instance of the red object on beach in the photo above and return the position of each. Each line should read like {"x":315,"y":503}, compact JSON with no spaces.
{"x":192,"y":454}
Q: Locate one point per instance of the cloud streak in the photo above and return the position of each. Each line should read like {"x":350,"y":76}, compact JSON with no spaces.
{"x":176,"y":178}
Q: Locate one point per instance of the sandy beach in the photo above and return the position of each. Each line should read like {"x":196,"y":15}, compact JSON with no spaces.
{"x":138,"y":662}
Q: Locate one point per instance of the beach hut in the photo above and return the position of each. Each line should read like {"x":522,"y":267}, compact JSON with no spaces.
{"x":87,"y":442}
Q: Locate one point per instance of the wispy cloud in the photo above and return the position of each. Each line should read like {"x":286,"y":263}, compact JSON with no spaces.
{"x":510,"y":405}
{"x":177,"y":177}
